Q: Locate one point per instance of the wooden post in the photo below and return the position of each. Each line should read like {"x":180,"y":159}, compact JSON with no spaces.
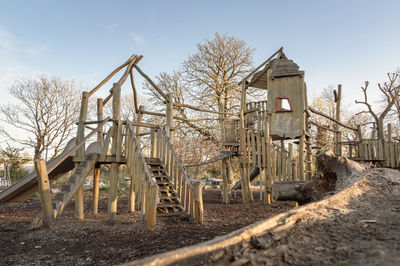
{"x":96,"y":177}
{"x":199,"y":199}
{"x":389,"y":132}
{"x":268,"y":167}
{"x":170,"y":117}
{"x":153,"y":136}
{"x":114,"y":178}
{"x":96,"y":171}
{"x":99,"y":118}
{"x":301,"y":157}
{"x":80,"y":154}
{"x":289,"y":167}
{"x":242,"y":149}
{"x":309,"y":157}
{"x":224,"y":169}
{"x":139,"y":119}
{"x":79,"y":203}
{"x":44,"y":190}
{"x":338,"y":149}
{"x":152,"y":206}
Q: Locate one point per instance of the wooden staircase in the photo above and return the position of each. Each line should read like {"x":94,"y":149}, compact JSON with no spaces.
{"x":169,"y":204}
{"x":69,"y":189}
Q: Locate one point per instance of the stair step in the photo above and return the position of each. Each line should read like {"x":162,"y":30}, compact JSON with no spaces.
{"x":171,"y":197}
{"x":172,"y":205}
{"x":169,"y":214}
{"x":153,"y":162}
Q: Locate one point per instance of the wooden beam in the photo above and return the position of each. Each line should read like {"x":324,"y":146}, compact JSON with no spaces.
{"x":111,"y":75}
{"x":196,"y":108}
{"x":96,"y":177}
{"x":151,"y":82}
{"x":315,"y":111}
{"x":44,"y":191}
{"x":260,"y":66}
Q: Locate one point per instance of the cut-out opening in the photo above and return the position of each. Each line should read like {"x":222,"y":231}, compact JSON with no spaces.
{"x":283,"y":105}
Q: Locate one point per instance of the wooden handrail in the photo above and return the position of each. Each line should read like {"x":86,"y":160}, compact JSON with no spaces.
{"x":188,"y":180}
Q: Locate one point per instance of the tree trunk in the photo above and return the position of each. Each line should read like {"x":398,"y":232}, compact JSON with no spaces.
{"x":332,"y":171}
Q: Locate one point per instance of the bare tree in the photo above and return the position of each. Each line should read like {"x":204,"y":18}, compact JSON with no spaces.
{"x":45,"y":111}
{"x":391,"y":92}
{"x":215,"y":69}
{"x":176,"y":85}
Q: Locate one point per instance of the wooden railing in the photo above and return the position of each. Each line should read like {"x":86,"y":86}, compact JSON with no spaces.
{"x":282,"y":165}
{"x":255,"y":113}
{"x":142,"y":182}
{"x":374,"y":150}
{"x":188,"y":191}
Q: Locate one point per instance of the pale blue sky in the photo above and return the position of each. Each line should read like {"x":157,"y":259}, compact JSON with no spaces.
{"x":344,"y":42}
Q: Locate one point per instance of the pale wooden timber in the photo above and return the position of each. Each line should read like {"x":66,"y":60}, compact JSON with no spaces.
{"x":242,"y":148}
{"x":169,"y":117}
{"x":151,"y":82}
{"x":44,"y":191}
{"x":196,"y":108}
{"x":114,"y":173}
{"x":260,"y":66}
{"x":135,"y":101}
{"x":338,"y":147}
{"x":79,"y":203}
{"x":96,"y":171}
{"x":290,"y":190}
{"x":111,"y":75}
{"x":315,"y":111}
{"x":301,"y":157}
{"x":224,"y":169}
{"x":322,"y":126}
{"x":96,"y":177}
{"x":80,"y":155}
{"x":180,"y":118}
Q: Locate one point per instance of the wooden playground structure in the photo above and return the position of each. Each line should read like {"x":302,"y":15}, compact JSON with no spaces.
{"x":271,"y":137}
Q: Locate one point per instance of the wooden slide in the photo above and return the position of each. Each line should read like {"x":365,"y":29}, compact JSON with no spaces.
{"x":254,"y":172}
{"x":27,"y":186}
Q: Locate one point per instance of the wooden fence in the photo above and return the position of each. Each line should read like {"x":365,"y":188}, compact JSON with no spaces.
{"x":374,"y":150}
{"x":281,"y":164}
{"x":188,"y":191}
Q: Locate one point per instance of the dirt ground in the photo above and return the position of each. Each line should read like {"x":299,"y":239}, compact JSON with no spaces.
{"x":358,"y":226}
{"x":97,"y":241}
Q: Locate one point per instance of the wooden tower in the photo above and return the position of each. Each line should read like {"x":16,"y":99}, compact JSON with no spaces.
{"x":285,"y":118}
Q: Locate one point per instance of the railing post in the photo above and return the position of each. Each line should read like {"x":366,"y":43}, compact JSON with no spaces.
{"x":199,"y":205}
{"x":153,"y":138}
{"x":170,"y":118}
{"x":139,"y":119}
{"x":44,"y":190}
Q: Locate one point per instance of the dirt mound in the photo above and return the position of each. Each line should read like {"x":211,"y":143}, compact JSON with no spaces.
{"x":359,"y":225}
{"x":97,"y":241}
